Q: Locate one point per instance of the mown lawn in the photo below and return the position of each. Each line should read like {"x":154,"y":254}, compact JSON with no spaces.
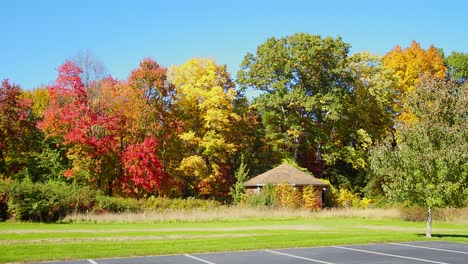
{"x":23,"y":242}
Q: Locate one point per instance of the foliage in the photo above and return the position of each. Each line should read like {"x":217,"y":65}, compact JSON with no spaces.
{"x":331,"y":195}
{"x":345,"y":198}
{"x":238,"y":190}
{"x":288,"y":196}
{"x":266,"y":197}
{"x":426,"y":166}
{"x":143,"y":169}
{"x":320,"y":106}
{"x":301,"y":76}
{"x":366,"y":203}
{"x":16,"y":128}
{"x":188,"y":132}
{"x":205,"y":98}
{"x":47,"y":202}
{"x":40,"y":100}
{"x":457,"y":64}
{"x":409,"y":66}
{"x":109,"y":204}
{"x":309,"y":197}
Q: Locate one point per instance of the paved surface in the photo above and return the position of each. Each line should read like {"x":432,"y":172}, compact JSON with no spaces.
{"x":411,"y":252}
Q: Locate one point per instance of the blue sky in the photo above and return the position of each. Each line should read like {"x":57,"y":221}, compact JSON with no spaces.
{"x":37,"y":36}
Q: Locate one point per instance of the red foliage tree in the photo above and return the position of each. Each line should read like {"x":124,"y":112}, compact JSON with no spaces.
{"x":97,"y":124}
{"x":143,"y":169}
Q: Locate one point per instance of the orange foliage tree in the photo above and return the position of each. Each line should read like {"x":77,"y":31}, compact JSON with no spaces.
{"x":410,"y":65}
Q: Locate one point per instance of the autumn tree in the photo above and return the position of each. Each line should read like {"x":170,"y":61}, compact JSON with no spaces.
{"x":369,"y":116}
{"x":88,"y":132}
{"x":410,"y":65}
{"x":204,"y":97}
{"x":14,"y":126}
{"x":153,"y":111}
{"x":92,"y":69}
{"x":39,"y":99}
{"x":428,"y":164}
{"x":92,"y":123}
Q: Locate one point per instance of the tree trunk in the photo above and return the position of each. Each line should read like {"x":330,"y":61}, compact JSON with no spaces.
{"x":429,"y":222}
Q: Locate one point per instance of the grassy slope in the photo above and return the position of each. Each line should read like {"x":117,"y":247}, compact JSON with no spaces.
{"x":35,"y":242}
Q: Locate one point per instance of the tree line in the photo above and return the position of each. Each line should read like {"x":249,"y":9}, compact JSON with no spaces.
{"x":352,"y":119}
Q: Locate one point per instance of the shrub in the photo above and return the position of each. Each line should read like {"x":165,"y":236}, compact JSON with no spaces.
{"x":47,"y":202}
{"x":266,"y":197}
{"x":108,"y":204}
{"x":346,"y":198}
{"x":288,"y":196}
{"x":238,"y":190}
{"x":38,"y":202}
{"x":365,"y":203}
{"x":309,"y":198}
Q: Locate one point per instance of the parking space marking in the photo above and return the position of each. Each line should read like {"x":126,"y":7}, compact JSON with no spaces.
{"x":390,"y":255}
{"x":298,"y":257}
{"x":92,"y":261}
{"x":199,"y":259}
{"x":431,"y":248}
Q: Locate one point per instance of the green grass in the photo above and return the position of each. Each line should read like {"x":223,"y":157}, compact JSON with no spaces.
{"x":22,"y":242}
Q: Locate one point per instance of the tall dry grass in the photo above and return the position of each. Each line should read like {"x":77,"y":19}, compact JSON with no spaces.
{"x":224,"y":213}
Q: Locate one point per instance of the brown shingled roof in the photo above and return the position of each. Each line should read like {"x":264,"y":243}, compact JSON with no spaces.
{"x":284,"y":173}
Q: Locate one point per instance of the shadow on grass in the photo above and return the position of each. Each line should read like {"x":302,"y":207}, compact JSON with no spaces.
{"x":445,"y":235}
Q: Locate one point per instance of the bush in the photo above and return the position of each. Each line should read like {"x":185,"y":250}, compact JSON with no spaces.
{"x":365,"y":203}
{"x":47,"y":202}
{"x":108,"y":204}
{"x":163,"y":203}
{"x":309,"y":198}
{"x":346,"y":198}
{"x":266,"y":197}
{"x":288,"y":197}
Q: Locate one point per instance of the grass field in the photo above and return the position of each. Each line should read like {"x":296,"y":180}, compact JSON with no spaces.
{"x":22,"y":242}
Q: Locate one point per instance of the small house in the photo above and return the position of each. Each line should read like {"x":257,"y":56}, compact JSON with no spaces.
{"x":286,"y":173}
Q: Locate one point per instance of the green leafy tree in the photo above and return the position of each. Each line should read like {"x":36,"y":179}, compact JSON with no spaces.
{"x":320,"y":106}
{"x":426,"y":164}
{"x":457,"y":63}
{"x":238,"y":190}
{"x":304,"y":78}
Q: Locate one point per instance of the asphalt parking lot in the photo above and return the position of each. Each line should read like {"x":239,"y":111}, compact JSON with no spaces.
{"x":409,"y":252}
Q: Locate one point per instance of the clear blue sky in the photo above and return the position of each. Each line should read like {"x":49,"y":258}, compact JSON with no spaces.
{"x":37,"y":36}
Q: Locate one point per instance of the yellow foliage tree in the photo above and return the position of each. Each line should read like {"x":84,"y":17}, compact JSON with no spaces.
{"x":309,"y":196}
{"x":205,"y":100}
{"x":410,"y":65}
{"x":288,"y":197}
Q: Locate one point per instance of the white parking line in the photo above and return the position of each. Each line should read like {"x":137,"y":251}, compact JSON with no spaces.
{"x":298,"y":257}
{"x":431,"y":248}
{"x":391,"y":255}
{"x":92,"y":261}
{"x":199,"y":259}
